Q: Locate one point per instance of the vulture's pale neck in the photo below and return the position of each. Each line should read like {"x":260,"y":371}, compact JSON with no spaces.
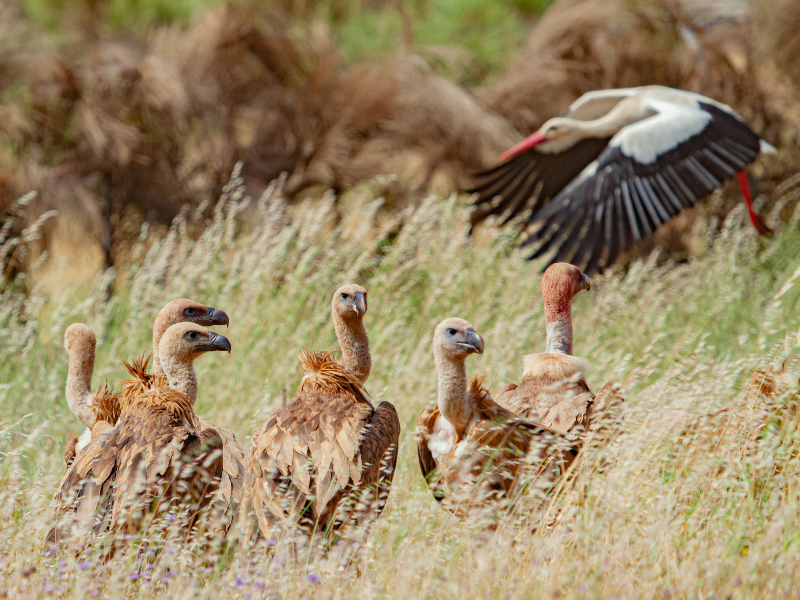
{"x":558,"y":319}
{"x":159,"y":328}
{"x":180,"y":374}
{"x":79,"y":382}
{"x":453,"y":401}
{"x":352,"y":337}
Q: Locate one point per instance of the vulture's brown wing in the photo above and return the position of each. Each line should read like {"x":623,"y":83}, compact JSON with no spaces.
{"x":426,"y":422}
{"x":527,"y":181}
{"x":158,"y":455}
{"x":534,"y":397}
{"x":229,"y":494}
{"x":85,"y":494}
{"x":379,"y":445}
{"x":304,"y":455}
{"x":571,"y":414}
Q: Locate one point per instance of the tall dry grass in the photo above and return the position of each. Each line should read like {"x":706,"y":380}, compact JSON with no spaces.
{"x":672,"y":512}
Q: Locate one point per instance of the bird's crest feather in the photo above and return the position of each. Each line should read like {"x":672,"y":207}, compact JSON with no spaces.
{"x":322,"y":373}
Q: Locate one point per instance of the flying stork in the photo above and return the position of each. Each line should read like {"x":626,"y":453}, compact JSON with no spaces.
{"x":615,"y":167}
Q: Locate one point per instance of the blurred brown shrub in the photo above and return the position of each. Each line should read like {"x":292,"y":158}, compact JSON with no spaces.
{"x":115,"y":133}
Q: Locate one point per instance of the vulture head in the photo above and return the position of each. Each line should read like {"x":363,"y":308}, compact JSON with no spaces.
{"x":79,"y":340}
{"x":184,"y":342}
{"x":188,"y":311}
{"x":350,"y":302}
{"x":561,"y":282}
{"x":455,"y":339}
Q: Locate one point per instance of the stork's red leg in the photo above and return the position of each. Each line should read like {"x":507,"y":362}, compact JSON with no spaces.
{"x":756,"y":219}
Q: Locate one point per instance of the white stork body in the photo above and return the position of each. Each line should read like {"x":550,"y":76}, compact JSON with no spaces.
{"x":615,"y":167}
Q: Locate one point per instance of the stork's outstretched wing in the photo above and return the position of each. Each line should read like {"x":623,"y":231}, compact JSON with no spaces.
{"x":527,"y":181}
{"x":649,"y":172}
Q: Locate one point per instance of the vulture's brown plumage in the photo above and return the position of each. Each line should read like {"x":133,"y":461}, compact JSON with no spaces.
{"x":178,"y":311}
{"x":156,"y":457}
{"x":553,"y":390}
{"x":326,"y":460}
{"x":471,"y":450}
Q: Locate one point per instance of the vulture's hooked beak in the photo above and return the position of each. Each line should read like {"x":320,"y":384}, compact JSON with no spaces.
{"x":585,"y":284}
{"x":473,"y":342}
{"x":215,"y":316}
{"x":360,"y":303}
{"x":219,"y":342}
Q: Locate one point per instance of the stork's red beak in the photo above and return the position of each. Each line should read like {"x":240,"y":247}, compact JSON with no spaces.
{"x":529,"y":142}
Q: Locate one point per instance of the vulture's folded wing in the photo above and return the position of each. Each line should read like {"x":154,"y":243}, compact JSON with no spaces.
{"x":426,"y":423}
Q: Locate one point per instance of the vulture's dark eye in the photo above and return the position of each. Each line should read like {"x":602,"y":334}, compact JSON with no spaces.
{"x":344,"y":296}
{"x":190,"y":311}
{"x":451,"y":332}
{"x":192,"y":335}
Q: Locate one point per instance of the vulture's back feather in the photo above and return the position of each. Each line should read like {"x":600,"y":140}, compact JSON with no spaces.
{"x":327,"y":446}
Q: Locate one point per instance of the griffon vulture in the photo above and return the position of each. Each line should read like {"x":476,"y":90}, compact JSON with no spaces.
{"x":326,"y":460}
{"x":553,"y":390}
{"x":470,"y":449}
{"x":156,"y":456}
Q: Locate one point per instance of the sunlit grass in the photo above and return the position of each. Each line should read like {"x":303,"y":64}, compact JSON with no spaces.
{"x":678,"y":515}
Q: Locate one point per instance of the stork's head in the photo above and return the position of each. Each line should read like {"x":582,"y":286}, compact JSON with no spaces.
{"x":80,"y":339}
{"x":560,"y":283}
{"x":559,"y":133}
{"x":455,"y":339}
{"x":187,"y":311}
{"x":186,"y":341}
{"x":350,"y":302}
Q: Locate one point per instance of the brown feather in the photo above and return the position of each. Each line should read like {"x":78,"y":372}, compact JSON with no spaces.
{"x":498,"y":445}
{"x":326,"y":459}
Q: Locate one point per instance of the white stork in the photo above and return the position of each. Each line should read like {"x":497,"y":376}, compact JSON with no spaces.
{"x":615,"y":167}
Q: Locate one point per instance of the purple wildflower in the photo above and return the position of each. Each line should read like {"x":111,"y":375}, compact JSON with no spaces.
{"x":84,"y":565}
{"x":270,"y":542}
{"x":239,"y":581}
{"x":170,"y":518}
{"x":134,"y":576}
{"x":95,"y":592}
{"x":313,"y":578}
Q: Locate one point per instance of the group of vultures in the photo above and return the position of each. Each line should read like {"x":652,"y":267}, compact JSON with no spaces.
{"x":322,"y":464}
{"x":619,"y":164}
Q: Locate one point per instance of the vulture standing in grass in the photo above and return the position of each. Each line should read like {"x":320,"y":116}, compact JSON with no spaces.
{"x":326,"y":460}
{"x":618,"y":165}
{"x":471,"y":450}
{"x":82,"y":403}
{"x":553,"y":390}
{"x":156,"y":457}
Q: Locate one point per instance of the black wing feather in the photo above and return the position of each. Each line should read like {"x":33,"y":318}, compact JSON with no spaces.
{"x":639,"y":197}
{"x":553,"y":171}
